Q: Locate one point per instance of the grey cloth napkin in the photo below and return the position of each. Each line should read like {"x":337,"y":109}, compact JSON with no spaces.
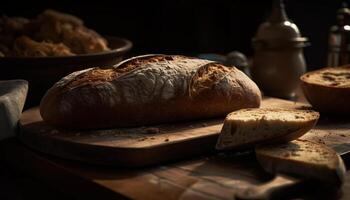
{"x":12,"y":97}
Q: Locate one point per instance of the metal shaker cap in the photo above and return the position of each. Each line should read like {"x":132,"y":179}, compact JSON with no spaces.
{"x":278,"y":31}
{"x":343,"y":15}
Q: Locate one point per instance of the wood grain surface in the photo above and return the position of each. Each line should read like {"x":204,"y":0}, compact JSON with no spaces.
{"x":213,"y":175}
{"x":151,"y":145}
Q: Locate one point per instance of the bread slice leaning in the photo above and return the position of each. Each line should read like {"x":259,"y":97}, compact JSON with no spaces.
{"x":328,"y":89}
{"x":303,"y":158}
{"x":246,"y":128}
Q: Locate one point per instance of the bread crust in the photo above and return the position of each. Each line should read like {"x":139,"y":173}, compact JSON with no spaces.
{"x":147,"y":89}
{"x":326,"y":98}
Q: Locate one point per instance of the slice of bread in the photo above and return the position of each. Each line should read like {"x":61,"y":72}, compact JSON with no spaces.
{"x":328,"y":89}
{"x":246,"y":128}
{"x":303,"y":158}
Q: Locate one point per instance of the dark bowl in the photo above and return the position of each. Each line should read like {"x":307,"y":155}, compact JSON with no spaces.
{"x":43,"y":72}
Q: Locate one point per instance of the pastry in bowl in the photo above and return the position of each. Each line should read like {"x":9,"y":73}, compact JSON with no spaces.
{"x":50,"y":46}
{"x":50,"y":34}
{"x":69,"y":30}
{"x":26,"y":47}
{"x":328,"y":89}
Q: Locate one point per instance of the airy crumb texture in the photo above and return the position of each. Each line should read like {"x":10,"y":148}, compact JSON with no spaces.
{"x":302,"y":158}
{"x":259,"y":115}
{"x":248,"y":127}
{"x":334,"y":77}
{"x":302,"y":151}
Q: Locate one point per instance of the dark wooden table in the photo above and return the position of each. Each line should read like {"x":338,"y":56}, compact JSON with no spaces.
{"x":27,"y":174}
{"x":35,"y":175}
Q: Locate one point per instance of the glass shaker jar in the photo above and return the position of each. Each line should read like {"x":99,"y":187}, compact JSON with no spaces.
{"x":339,"y":39}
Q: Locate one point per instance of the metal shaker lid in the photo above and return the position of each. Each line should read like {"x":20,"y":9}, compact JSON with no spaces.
{"x":343,"y":15}
{"x":279,"y":30}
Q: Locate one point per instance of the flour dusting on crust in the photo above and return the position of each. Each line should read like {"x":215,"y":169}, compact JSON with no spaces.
{"x":159,"y":80}
{"x":164,"y":79}
{"x":67,"y":79}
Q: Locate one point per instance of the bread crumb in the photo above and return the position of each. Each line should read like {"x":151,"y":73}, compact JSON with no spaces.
{"x":321,"y":141}
{"x":103,"y":133}
{"x":295,"y":153}
{"x":54,"y":131}
{"x":286,"y":154}
{"x":142,"y":139}
{"x":152,"y":130}
{"x":222,"y":154}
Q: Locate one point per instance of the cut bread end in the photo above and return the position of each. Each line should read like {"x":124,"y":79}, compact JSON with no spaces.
{"x":303,"y":158}
{"x":248,"y":127}
{"x":328,"y":89}
{"x":329,"y":77}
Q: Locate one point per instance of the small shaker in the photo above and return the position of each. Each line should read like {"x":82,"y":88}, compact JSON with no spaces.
{"x":339,"y":39}
{"x":278,"y":60}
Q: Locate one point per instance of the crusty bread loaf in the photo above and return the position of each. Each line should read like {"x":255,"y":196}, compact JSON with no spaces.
{"x":148,"y":89}
{"x":248,"y":127}
{"x":303,"y":158}
{"x":328,"y":89}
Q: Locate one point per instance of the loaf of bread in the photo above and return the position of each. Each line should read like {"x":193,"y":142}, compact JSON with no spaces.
{"x":147,"y":89}
{"x":249,"y":127}
{"x":328,"y":89}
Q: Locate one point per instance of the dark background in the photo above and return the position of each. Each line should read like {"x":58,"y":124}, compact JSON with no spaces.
{"x":177,"y":27}
{"x":192,"y":27}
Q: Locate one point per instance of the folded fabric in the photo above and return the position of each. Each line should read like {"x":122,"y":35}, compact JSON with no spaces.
{"x":12,"y":97}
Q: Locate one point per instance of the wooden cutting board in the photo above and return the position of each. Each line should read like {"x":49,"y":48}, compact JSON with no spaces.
{"x":150,"y":145}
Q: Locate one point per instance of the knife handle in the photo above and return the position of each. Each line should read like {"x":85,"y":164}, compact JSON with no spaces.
{"x":280,"y":184}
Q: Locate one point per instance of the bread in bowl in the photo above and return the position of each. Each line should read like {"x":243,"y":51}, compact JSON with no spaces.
{"x":328,"y":89}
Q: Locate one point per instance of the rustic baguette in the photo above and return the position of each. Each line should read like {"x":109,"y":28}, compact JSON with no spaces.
{"x":303,"y":158}
{"x":148,"y":89}
{"x":248,"y":127}
{"x":328,"y":89}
